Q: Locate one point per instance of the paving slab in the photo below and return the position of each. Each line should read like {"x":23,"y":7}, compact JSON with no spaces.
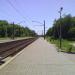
{"x":39,"y":58}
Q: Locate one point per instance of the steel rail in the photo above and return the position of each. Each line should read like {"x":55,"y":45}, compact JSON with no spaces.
{"x":11,"y":48}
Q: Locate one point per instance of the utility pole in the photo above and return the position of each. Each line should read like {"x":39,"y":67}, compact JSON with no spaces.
{"x":5,"y":31}
{"x":42,"y":33}
{"x":60,"y":35}
{"x":44,"y":29}
{"x":41,"y":25}
{"x":13,"y":32}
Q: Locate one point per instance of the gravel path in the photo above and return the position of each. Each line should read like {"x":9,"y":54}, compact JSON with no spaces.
{"x":40,"y":58}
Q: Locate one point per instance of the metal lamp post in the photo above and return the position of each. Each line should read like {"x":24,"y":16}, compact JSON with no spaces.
{"x":60,"y":34}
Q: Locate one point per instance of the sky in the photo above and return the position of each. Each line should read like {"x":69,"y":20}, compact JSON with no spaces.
{"x":30,"y":12}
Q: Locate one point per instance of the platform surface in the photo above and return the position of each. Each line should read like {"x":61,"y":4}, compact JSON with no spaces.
{"x":39,"y":58}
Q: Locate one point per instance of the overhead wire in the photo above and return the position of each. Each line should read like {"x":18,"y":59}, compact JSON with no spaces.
{"x":16,"y":10}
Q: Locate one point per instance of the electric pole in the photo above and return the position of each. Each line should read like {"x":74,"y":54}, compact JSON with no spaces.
{"x":6,"y":31}
{"x":42,"y":33}
{"x":60,"y":35}
{"x":44,"y":29}
{"x":13,"y":32}
{"x":41,"y":25}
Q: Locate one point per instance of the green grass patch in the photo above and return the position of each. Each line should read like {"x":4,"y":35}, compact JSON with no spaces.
{"x":66,"y":46}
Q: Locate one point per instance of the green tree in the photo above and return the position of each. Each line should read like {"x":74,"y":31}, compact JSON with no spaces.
{"x":67,"y":27}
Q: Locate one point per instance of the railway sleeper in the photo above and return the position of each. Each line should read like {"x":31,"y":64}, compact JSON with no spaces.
{"x":14,"y":50}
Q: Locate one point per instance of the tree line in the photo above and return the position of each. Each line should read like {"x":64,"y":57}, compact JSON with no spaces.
{"x":67,"y":24}
{"x":11,"y":30}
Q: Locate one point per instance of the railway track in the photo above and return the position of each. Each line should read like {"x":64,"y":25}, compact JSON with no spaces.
{"x":11,"y":48}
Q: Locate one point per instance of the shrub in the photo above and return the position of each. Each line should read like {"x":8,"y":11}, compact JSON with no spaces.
{"x":69,"y":48}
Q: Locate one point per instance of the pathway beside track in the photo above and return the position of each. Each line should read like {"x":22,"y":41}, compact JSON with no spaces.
{"x":39,"y":58}
{"x":2,"y":40}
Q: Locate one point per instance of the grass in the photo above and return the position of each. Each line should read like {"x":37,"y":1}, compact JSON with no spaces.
{"x":66,"y":46}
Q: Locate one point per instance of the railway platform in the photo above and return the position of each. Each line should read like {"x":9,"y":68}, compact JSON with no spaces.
{"x":3,"y":40}
{"x":39,"y":58}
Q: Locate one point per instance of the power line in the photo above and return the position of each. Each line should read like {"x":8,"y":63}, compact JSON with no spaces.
{"x":16,"y":9}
